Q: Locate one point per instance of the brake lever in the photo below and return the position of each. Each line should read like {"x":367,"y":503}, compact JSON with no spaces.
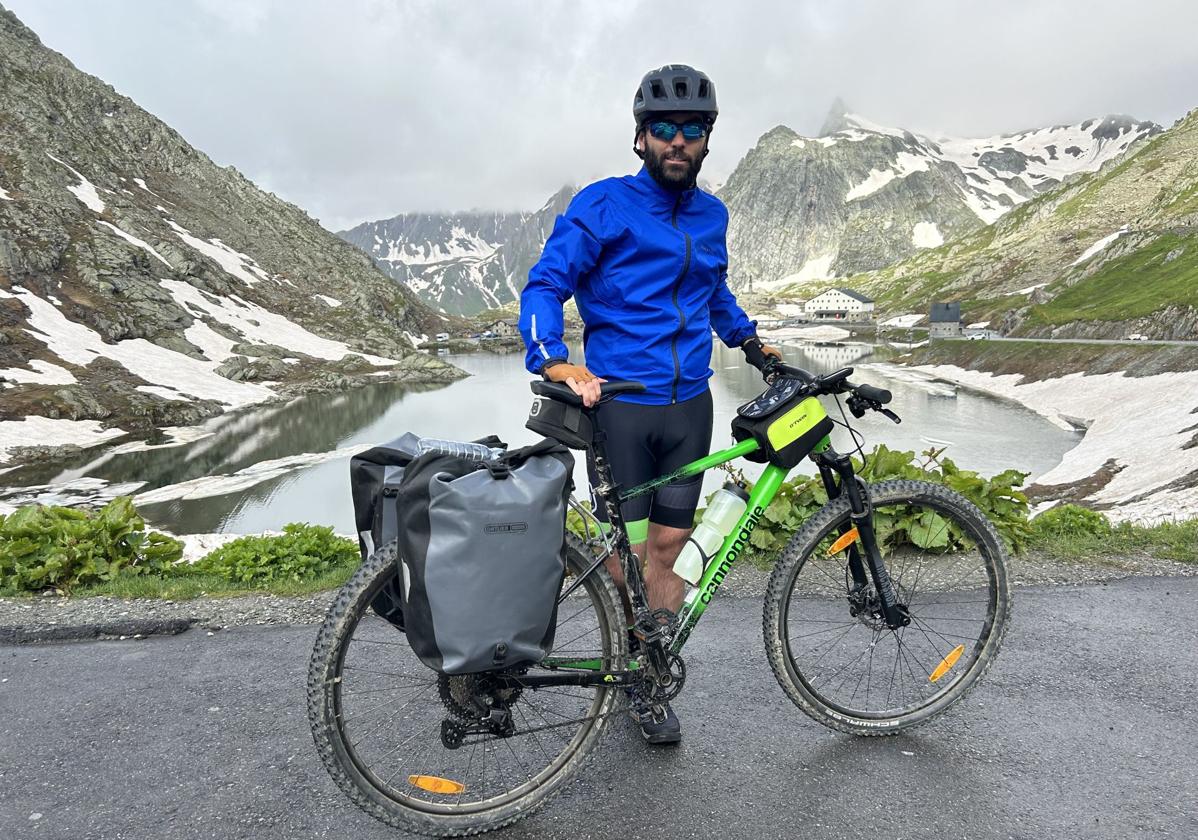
{"x":888,"y":413}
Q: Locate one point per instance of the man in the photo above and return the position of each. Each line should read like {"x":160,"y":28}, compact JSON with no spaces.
{"x":645,"y":259}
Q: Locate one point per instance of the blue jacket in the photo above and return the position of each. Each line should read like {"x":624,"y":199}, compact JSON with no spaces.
{"x":648,"y":269}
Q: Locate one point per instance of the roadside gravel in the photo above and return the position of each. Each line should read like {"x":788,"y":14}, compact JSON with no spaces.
{"x":55,"y":618}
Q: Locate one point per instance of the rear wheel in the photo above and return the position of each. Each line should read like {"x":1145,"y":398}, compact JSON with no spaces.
{"x":389,"y":729}
{"x":828,"y":644}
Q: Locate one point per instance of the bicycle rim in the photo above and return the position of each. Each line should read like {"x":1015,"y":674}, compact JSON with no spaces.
{"x":385,"y":713}
{"x":946,"y":566}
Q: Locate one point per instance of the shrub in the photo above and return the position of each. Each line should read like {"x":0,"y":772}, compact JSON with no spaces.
{"x":42,"y":547}
{"x":1070,"y":521}
{"x":302,"y":552}
{"x":998,"y":498}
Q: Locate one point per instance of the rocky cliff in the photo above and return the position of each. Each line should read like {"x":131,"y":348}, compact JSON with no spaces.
{"x":1105,"y":255}
{"x":141,"y":284}
{"x":862,"y":196}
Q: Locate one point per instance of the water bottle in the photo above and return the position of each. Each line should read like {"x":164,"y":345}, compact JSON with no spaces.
{"x":471,"y":451}
{"x":727,"y":506}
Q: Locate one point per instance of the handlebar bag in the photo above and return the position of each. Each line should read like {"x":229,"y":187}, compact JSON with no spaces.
{"x":482,"y":556}
{"x":786,"y":425}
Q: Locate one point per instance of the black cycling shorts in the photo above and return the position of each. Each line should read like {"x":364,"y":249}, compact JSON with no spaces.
{"x":648,"y":441}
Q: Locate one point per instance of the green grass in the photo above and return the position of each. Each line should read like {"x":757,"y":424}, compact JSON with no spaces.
{"x":1132,"y":286}
{"x":1169,"y":541}
{"x":187,"y":586}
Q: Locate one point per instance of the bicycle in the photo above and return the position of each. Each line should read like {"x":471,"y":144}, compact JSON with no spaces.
{"x":885,"y":607}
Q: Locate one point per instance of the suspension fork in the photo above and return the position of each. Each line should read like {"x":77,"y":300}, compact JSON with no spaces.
{"x":834,"y":466}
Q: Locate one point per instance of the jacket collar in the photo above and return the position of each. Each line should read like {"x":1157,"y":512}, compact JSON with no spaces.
{"x":658,"y":194}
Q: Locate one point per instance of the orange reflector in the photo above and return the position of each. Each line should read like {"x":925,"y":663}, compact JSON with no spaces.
{"x":844,"y":542}
{"x":947,"y":662}
{"x":435,"y":784}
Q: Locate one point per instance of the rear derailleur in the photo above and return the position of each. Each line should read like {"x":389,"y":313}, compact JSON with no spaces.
{"x":477,"y":711}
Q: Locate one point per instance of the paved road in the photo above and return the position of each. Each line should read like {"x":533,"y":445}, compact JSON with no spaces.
{"x":1082,"y":340}
{"x":1084,"y":729}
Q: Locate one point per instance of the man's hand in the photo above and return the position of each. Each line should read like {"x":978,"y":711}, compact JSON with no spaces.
{"x":771,"y":351}
{"x":581,"y":381}
{"x":755,"y":352}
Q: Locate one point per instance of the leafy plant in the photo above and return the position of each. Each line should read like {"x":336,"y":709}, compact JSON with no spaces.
{"x":43,"y":547}
{"x":1070,"y":521}
{"x":998,"y":498}
{"x":301,"y":552}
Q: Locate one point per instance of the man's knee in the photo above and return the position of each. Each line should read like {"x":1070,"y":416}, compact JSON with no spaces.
{"x":665,"y":542}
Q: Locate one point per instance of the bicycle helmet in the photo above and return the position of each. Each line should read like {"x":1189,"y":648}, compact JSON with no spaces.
{"x":675,"y":87}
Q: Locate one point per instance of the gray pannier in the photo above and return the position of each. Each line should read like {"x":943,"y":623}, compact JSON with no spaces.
{"x":481,"y":546}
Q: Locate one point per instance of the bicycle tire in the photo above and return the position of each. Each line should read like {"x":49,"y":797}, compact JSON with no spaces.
{"x":433,"y":814}
{"x":824,"y":604}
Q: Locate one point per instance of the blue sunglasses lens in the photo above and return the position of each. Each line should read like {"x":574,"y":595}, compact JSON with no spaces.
{"x":667,"y":131}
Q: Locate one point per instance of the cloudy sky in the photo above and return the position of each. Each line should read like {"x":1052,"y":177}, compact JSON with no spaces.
{"x":362,"y":109}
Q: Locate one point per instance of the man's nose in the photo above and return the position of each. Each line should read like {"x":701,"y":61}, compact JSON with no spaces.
{"x":679,"y":141}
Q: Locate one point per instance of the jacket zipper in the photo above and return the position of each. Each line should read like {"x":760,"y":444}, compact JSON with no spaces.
{"x":686,"y":264}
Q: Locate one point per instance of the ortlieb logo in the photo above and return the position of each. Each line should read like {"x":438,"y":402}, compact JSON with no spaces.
{"x":506,"y":527}
{"x":536,"y":407}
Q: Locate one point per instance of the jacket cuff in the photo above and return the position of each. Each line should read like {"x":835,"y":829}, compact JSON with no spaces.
{"x":556,"y":360}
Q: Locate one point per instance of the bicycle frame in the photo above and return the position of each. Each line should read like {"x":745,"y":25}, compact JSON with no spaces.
{"x":837,"y":475}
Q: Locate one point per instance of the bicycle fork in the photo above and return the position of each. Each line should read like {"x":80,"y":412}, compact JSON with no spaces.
{"x":833,"y":466}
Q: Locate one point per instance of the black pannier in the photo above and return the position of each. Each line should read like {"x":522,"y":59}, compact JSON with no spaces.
{"x":786,"y":426}
{"x":482,"y":556}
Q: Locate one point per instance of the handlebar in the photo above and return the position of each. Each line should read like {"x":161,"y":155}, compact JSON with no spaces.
{"x":862,"y":397}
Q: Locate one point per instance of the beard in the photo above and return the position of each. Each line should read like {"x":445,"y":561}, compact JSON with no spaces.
{"x":674,"y":178}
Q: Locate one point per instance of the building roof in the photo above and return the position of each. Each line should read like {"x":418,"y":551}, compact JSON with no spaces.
{"x":945,"y":313}
{"x":856,"y":295}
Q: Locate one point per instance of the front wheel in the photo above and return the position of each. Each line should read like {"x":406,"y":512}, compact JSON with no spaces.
{"x":389,"y":730}
{"x":833,"y":653}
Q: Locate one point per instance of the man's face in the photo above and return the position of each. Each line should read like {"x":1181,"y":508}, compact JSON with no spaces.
{"x":676,"y":163}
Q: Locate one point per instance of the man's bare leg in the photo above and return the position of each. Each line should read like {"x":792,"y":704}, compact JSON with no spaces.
{"x":664,"y":588}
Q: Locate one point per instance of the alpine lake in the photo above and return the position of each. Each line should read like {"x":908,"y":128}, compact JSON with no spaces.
{"x":260,"y":468}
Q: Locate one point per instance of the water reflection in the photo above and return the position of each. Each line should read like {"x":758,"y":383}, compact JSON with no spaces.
{"x":985,"y":434}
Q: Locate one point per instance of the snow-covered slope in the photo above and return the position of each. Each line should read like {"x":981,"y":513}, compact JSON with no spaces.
{"x":862,"y":195}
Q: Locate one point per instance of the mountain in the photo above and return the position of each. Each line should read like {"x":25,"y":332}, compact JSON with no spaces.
{"x":143,"y":285}
{"x":1105,"y":255}
{"x":862,"y":196}
{"x":460,"y":263}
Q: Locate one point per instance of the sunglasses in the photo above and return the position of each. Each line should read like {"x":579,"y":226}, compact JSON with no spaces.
{"x":667,"y":131}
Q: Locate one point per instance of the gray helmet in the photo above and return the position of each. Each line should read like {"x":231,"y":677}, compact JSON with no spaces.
{"x":675,"y":87}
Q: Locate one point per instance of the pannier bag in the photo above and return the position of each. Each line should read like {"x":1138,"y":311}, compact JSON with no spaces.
{"x":786,"y":427}
{"x":374,"y":479}
{"x":482,"y":555}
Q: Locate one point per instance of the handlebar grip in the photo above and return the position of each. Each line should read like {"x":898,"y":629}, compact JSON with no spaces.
{"x":869,"y":392}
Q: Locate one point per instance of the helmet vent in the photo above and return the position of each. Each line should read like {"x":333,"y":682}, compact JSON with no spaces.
{"x":702,"y":88}
{"x":658,"y":91}
{"x":680,"y":88}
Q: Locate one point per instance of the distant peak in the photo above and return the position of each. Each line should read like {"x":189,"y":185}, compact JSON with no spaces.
{"x":837,"y":119}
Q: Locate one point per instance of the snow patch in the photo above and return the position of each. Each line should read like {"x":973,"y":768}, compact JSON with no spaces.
{"x":85,"y":190}
{"x":903,"y":321}
{"x":261,"y":326}
{"x":980,"y":325}
{"x":926,"y":235}
{"x":43,"y":373}
{"x":78,"y":344}
{"x":145,"y":246}
{"x":1029,"y":289}
{"x":333,"y":302}
{"x":816,"y":269}
{"x":243,"y":267}
{"x":4,"y":196}
{"x":142,"y":184}
{"x":799,"y":143}
{"x":43,"y":431}
{"x":876,"y":179}
{"x":1099,"y":245}
{"x":1153,"y":457}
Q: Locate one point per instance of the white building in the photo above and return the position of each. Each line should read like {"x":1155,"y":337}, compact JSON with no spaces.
{"x":840,"y":305}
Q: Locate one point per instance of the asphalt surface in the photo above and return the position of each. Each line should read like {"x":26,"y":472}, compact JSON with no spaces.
{"x":1083,"y":729}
